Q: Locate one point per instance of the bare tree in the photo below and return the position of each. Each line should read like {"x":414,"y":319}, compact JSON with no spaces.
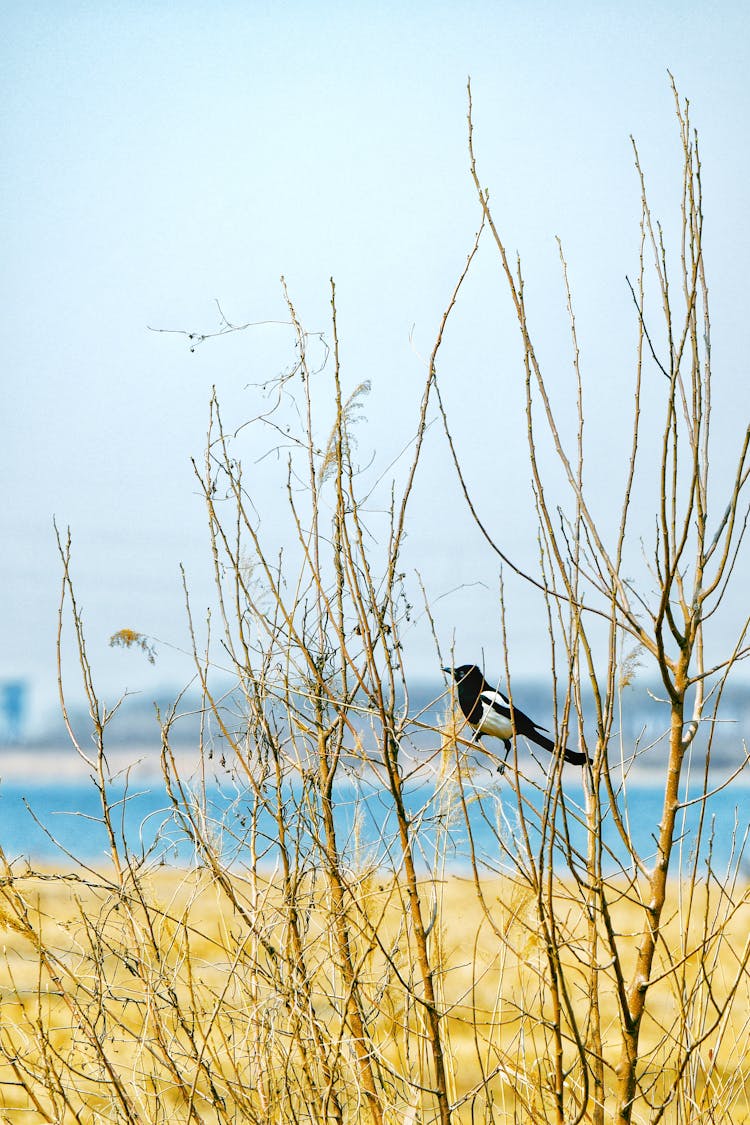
{"x":583,"y":579}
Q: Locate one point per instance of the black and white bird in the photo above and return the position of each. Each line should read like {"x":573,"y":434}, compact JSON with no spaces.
{"x":488,"y":711}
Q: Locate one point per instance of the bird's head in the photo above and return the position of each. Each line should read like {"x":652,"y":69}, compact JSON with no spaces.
{"x":464,"y":672}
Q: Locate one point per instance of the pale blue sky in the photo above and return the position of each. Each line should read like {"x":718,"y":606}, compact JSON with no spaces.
{"x":158,"y":156}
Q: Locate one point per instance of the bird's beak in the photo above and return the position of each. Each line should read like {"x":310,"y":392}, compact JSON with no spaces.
{"x":448,"y":670}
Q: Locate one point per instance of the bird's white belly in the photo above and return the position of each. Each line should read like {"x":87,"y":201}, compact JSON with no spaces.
{"x":496,"y":725}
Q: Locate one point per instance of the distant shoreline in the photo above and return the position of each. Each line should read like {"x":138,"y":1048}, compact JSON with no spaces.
{"x":44,"y":764}
{"x":39,"y":765}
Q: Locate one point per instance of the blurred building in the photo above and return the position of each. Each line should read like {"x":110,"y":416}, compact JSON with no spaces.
{"x":14,"y":696}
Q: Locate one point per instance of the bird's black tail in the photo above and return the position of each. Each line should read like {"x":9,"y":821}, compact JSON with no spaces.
{"x":571,"y":756}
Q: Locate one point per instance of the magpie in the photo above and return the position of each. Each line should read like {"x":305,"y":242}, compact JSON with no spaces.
{"x":488,"y":711}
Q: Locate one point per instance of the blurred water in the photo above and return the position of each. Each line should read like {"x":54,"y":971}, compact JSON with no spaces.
{"x":31,"y":815}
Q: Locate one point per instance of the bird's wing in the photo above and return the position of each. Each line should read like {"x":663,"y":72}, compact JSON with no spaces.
{"x":492,"y":699}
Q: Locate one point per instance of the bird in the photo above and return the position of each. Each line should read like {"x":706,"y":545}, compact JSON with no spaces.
{"x":488,"y":711}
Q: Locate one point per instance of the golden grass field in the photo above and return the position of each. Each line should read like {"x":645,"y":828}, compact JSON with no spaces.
{"x":164,"y":999}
